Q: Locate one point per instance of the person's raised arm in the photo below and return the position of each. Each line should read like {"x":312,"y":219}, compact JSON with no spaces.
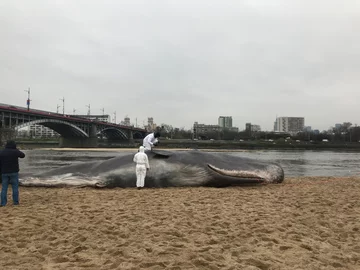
{"x":21,"y":154}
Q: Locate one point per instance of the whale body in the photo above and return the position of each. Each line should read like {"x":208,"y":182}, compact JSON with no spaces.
{"x":167,"y":169}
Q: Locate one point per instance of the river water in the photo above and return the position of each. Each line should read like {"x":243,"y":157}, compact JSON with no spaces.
{"x":294,"y":163}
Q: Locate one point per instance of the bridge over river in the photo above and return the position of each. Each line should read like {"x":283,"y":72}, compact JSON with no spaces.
{"x":74,"y":131}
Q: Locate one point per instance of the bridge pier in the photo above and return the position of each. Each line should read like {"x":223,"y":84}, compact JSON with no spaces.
{"x":80,"y":142}
{"x":131,"y":136}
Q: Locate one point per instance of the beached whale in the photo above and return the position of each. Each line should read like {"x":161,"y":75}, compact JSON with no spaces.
{"x":167,"y":169}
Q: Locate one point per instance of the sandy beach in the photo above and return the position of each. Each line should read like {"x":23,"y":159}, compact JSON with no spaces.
{"x":303,"y":223}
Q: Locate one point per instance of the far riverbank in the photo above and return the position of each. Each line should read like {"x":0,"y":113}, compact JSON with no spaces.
{"x":206,"y":144}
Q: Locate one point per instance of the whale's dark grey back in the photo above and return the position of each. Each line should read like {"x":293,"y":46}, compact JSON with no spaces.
{"x":169,"y":168}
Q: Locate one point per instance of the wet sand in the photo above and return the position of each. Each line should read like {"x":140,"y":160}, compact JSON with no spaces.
{"x":304,"y":223}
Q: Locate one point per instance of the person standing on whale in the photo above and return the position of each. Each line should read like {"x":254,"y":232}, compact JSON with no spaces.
{"x":142,"y":165}
{"x":151,"y":140}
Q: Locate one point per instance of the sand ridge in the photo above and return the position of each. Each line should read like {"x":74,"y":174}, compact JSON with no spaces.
{"x":304,"y":223}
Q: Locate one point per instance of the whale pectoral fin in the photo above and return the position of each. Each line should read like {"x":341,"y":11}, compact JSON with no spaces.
{"x":240,"y":176}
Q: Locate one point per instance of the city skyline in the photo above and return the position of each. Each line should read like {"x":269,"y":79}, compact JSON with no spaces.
{"x":185,"y":61}
{"x":223,"y":121}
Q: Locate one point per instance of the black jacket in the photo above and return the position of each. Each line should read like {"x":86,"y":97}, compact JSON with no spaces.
{"x":9,"y":158}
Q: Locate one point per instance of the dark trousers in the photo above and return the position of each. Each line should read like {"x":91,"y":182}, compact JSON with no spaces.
{"x":13,"y":180}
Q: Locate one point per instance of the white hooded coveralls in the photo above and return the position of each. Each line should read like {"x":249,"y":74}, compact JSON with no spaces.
{"x":142,"y":164}
{"x":149,"y":141}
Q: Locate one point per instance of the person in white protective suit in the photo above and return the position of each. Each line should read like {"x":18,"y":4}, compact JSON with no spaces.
{"x":142,"y":165}
{"x":151,"y":140}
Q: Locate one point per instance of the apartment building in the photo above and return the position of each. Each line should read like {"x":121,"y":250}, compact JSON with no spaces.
{"x":290,"y":125}
{"x":37,"y":131}
{"x":101,"y":117}
{"x":151,"y":126}
{"x":203,"y":129}
{"x":225,"y":122}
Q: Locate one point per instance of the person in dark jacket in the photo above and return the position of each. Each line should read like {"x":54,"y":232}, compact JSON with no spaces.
{"x":9,"y":167}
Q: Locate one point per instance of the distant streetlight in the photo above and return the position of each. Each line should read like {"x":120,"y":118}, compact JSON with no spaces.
{"x":28,"y":99}
{"x":103,"y":111}
{"x":115,"y":117}
{"x":63,"y":100}
{"x":88,"y":109}
{"x":57,"y":108}
{"x":74,"y":111}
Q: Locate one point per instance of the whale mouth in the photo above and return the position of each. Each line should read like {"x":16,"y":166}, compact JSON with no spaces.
{"x":243,"y":175}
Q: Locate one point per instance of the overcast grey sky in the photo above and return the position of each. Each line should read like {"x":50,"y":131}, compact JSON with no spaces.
{"x":186,"y":60}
